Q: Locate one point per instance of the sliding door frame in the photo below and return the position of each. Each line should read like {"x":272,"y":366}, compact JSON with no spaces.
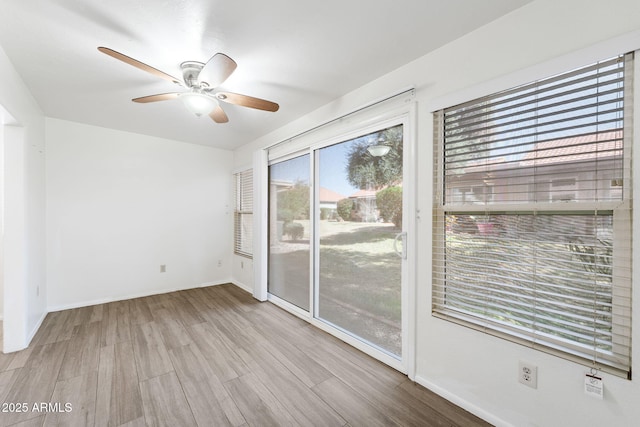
{"x":404,"y":115}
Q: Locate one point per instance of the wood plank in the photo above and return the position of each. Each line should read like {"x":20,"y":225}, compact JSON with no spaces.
{"x":37,"y":379}
{"x":56,"y":326}
{"x":455,"y":414}
{"x":208,"y":356}
{"x":116,"y":323}
{"x":304,"y":405}
{"x":7,"y":380}
{"x":118,"y":399}
{"x":219,"y":352}
{"x":354,"y":408}
{"x":83,"y":353}
{"x":80,"y":394}
{"x":33,"y":422}
{"x":165,"y":403}
{"x":210,"y":402}
{"x":185,"y":311}
{"x":5,"y":360}
{"x":20,"y":358}
{"x":382,"y":392}
{"x":258,"y":406}
{"x":139,"y":311}
{"x":138,"y":422}
{"x":172,"y":331}
{"x":150,"y":352}
{"x":280,"y":346}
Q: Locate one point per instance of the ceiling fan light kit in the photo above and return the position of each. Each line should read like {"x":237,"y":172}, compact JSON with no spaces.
{"x":198,"y":103}
{"x":201,"y":80}
{"x":378,"y":150}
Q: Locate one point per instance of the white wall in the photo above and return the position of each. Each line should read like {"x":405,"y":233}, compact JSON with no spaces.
{"x":475,"y":370}
{"x":120,"y":204}
{"x":24,"y":210}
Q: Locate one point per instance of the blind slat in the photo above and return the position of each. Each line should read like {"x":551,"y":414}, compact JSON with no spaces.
{"x":243,"y":213}
{"x":555,"y":270}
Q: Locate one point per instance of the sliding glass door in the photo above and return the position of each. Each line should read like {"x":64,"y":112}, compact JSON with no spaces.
{"x":289,"y":231}
{"x":337,"y":241}
{"x":359,"y":228}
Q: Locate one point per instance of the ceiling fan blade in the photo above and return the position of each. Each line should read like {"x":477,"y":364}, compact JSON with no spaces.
{"x":155,"y":98}
{"x":141,"y":65}
{"x":217,"y":70}
{"x":218,"y":115}
{"x":247,"y":101}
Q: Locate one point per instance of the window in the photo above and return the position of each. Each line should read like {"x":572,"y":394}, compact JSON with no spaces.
{"x":545,"y":261}
{"x":243,"y":214}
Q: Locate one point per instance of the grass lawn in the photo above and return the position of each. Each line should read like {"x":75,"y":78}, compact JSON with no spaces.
{"x":359,"y":279}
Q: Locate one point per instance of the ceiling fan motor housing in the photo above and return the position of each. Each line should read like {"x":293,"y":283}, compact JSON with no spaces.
{"x":190,"y":72}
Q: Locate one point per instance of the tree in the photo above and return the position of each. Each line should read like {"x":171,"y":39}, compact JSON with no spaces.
{"x":365,"y":171}
{"x":344,"y":207}
{"x":389,"y":203}
{"x":293,"y":203}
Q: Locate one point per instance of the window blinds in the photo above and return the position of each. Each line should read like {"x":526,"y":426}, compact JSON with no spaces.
{"x":532,"y":214}
{"x":243,"y":213}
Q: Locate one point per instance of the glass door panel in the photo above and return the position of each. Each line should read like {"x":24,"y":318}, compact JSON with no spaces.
{"x":289,"y":231}
{"x":359,"y":228}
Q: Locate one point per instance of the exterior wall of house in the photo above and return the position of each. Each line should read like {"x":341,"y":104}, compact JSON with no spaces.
{"x":120,"y":205}
{"x":477,"y":371}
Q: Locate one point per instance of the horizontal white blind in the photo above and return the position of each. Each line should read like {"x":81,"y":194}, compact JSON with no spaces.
{"x":559,"y":139}
{"x":532,"y":218}
{"x":243,"y":213}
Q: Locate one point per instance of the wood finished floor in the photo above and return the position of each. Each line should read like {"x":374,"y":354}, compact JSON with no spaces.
{"x":206,"y":357}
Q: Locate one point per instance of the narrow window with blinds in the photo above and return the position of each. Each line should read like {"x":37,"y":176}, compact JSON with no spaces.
{"x":532,"y":215}
{"x":243,"y":214}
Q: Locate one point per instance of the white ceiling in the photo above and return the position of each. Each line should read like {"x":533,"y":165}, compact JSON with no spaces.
{"x":300,"y":54}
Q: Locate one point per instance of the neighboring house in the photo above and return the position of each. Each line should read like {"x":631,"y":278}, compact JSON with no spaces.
{"x":329,"y":200}
{"x":536,"y":177}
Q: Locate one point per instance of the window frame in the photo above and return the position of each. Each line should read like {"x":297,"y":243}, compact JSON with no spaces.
{"x":243,"y":214}
{"x":439,"y":233}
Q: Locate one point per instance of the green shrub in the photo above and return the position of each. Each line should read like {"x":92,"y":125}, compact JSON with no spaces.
{"x":285,"y":215}
{"x":389,"y":203}
{"x":295,"y":230}
{"x":324,"y":213}
{"x":344,"y":208}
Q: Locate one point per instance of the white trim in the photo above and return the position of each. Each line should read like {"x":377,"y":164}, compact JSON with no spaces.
{"x":242,"y":286}
{"x":410,"y":266}
{"x":35,"y":329}
{"x":364,"y":347}
{"x":260,"y":224}
{"x":291,"y":308}
{"x":463,"y":403}
{"x":341,"y":116}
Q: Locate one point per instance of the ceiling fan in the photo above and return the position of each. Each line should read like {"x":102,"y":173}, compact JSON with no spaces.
{"x":201,"y":81}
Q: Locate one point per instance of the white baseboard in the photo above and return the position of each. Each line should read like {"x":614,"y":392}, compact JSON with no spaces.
{"x":131,"y":296}
{"x":35,"y":329}
{"x":242,"y":286}
{"x":464,"y":404}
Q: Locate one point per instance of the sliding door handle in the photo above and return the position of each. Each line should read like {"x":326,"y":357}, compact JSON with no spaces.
{"x":401,"y":253}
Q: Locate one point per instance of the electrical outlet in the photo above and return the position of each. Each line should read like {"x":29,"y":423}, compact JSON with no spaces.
{"x":163,"y":268}
{"x":528,"y":374}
